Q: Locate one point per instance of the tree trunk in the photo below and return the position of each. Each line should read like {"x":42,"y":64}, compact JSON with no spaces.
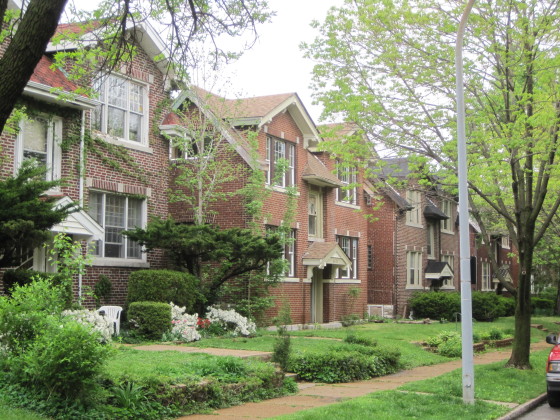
{"x":522,"y":341}
{"x":25,"y":50}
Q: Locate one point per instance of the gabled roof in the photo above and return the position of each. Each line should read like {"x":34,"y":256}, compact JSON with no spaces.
{"x":436,"y":270}
{"x":395,"y":167}
{"x":431,"y":211}
{"x":319,"y":254}
{"x":45,"y":81}
{"x":255,"y":111}
{"x":317,"y":173}
{"x":80,"y":224}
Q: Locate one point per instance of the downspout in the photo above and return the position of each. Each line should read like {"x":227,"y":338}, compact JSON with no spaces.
{"x":395,"y":256}
{"x":81,"y":184}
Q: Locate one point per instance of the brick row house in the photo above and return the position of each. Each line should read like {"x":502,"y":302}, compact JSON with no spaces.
{"x":112,"y":160}
{"x":118,"y":156}
{"x":415,"y":241}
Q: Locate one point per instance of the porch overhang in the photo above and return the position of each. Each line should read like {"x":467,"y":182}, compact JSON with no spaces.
{"x":320,"y":254}
{"x":437,"y":270}
{"x":79,"y":224}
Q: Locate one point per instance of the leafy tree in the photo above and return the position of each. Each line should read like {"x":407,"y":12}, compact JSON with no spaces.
{"x":389,"y":66}
{"x":213,"y":255}
{"x":184,"y":24}
{"x":26,"y":214}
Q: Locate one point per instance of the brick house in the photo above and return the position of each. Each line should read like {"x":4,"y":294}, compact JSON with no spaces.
{"x":415,"y":242}
{"x":111,"y":157}
{"x":329,"y":251}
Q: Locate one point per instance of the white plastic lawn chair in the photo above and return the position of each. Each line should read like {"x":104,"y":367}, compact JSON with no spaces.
{"x":113,"y":314}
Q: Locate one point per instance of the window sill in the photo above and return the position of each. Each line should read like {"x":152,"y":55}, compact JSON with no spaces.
{"x":415,"y":225}
{"x":447,"y":288}
{"x":348,"y":205}
{"x":119,"y":262}
{"x":448,"y":232}
{"x":125,"y":143}
{"x":315,"y":239}
{"x":342,"y":281}
{"x":414,"y":287}
{"x":289,"y":280}
{"x":282,"y":190}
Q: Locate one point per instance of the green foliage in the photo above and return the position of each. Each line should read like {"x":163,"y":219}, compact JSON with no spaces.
{"x":345,"y":364}
{"x":26,"y":215}
{"x":102,"y":289}
{"x":22,"y":277}
{"x":149,"y":319}
{"x":543,"y":306}
{"x":166,"y":286}
{"x":64,"y":358}
{"x":213,"y":255}
{"x":435,"y":305}
{"x":486,"y":306}
{"x":447,"y":343}
{"x":353,"y":338}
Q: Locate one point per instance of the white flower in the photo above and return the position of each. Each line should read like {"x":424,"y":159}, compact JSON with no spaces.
{"x":231,"y":320}
{"x":94,"y":320}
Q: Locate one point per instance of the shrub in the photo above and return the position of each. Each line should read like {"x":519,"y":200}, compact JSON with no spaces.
{"x":435,"y":305}
{"x":451,"y":347}
{"x":486,"y":306}
{"x":23,"y":277}
{"x":345,"y":364}
{"x":507,"y":305}
{"x":223,"y":322}
{"x":163,"y":286}
{"x":542,"y":306}
{"x":352,"y":338}
{"x":64,"y":359}
{"x":150,"y":319}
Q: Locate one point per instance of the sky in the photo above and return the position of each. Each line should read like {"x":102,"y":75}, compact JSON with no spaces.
{"x":275,"y":64}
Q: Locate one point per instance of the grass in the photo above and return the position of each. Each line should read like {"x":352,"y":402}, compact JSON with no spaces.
{"x":7,"y":413}
{"x":395,"y":405}
{"x":389,"y":334}
{"x":441,"y":398}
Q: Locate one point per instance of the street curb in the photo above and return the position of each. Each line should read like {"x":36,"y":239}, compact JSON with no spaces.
{"x":524,"y":408}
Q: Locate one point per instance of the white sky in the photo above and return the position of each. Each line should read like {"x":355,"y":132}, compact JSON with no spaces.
{"x":275,"y":64}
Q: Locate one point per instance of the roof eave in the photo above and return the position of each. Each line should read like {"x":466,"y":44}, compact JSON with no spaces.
{"x":45,"y":93}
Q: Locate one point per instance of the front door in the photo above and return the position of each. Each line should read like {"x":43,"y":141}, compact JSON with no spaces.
{"x":317,"y":296}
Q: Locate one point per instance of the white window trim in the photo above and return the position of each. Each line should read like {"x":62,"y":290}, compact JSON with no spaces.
{"x":351,"y":174}
{"x":354,"y":247}
{"x":318,"y":216}
{"x":447,"y":224}
{"x":431,"y":241}
{"x":505,"y":242}
{"x":414,"y":216}
{"x":486,"y":280}
{"x":143,"y":142}
{"x":54,"y":151}
{"x":122,"y":262}
{"x":288,"y":178}
{"x":417,"y":268}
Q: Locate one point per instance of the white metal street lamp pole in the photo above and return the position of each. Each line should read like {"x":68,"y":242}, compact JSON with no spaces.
{"x":464,"y":244}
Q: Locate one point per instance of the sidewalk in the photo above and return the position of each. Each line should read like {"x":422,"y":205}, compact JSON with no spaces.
{"x":316,"y":395}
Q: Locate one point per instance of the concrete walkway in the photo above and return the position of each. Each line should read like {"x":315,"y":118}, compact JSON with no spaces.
{"x":317,"y":395}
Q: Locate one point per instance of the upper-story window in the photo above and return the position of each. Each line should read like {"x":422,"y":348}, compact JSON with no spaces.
{"x":431,"y":241}
{"x":280,"y":157}
{"x":413,"y":217}
{"x":414,"y":268}
{"x":505,"y":242}
{"x":116,"y":213}
{"x":39,"y":139}
{"x":446,"y":224}
{"x":350,"y":247}
{"x":123,"y":110}
{"x":347,"y":193}
{"x":188,"y":148}
{"x":315,"y":213}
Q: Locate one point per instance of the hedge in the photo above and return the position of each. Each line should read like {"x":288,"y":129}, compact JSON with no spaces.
{"x":149,"y":319}
{"x":166,"y":286}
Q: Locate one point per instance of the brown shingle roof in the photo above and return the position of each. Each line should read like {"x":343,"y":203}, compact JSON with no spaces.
{"x":315,"y":171}
{"x":51,"y":77}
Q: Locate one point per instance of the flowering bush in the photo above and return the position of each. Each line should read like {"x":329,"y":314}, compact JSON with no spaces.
{"x":183,"y":325}
{"x":230,"y":322}
{"x":94,"y":320}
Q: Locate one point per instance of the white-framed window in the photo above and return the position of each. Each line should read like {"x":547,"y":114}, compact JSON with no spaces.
{"x":485,"y":275}
{"x":280,"y":158}
{"x":449,"y":259}
{"x":288,"y":251}
{"x":123,"y":110}
{"x":506,"y":243}
{"x":413,"y":216}
{"x":39,"y":139}
{"x":446,"y":224}
{"x":116,"y":213}
{"x":413,"y":268}
{"x":350,"y":247}
{"x":348,"y":193}
{"x":431,"y":241}
{"x":189,"y":148}
{"x":315,"y":214}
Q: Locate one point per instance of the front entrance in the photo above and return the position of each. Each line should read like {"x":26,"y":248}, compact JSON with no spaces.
{"x":317,"y":296}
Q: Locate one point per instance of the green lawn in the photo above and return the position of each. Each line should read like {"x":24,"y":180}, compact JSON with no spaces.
{"x":388,"y":334}
{"x":441,"y":398}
